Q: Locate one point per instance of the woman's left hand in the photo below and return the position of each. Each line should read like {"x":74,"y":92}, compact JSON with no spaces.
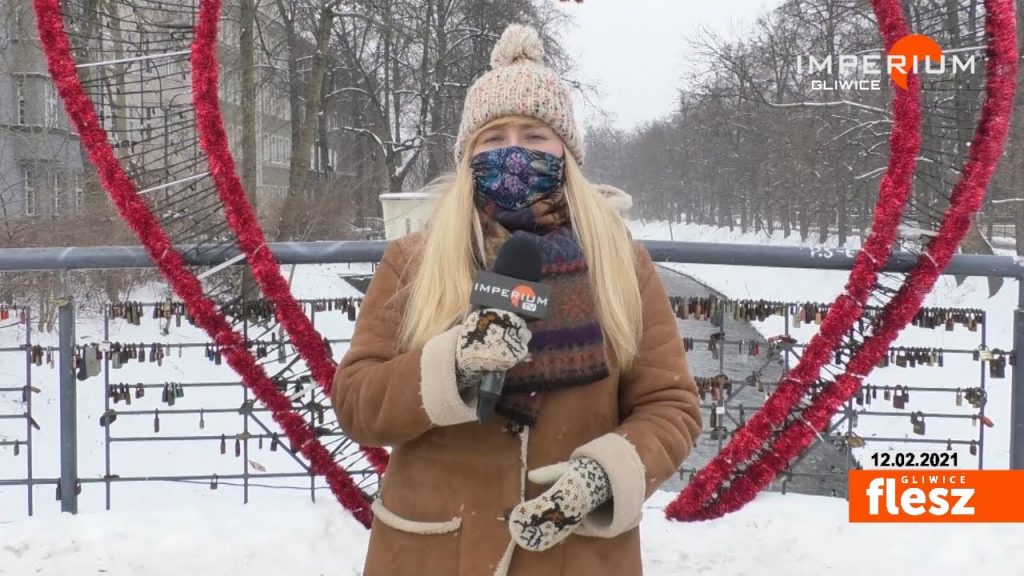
{"x":580,"y":486}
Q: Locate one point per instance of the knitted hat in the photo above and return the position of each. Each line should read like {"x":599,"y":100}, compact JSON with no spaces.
{"x":519,"y":84}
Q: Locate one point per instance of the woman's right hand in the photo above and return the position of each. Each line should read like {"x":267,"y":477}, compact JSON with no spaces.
{"x":490,"y":340}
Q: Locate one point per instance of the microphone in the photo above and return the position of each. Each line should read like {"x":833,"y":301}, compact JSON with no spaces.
{"x":513,"y":285}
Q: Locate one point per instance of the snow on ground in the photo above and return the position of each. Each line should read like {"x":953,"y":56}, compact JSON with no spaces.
{"x":775,"y":535}
{"x":174,"y":528}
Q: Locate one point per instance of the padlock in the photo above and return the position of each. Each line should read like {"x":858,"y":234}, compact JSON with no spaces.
{"x":854,"y":440}
{"x":223,"y":444}
{"x":974,"y":448}
{"x":898,"y":399}
{"x":108,"y":417}
{"x":156,"y":421}
{"x":917,"y":419}
{"x":997,"y":367}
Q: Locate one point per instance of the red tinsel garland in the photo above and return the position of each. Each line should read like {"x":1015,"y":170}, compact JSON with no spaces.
{"x":893,"y":195}
{"x":989,"y":140}
{"x":213,"y":139}
{"x":143,"y":223}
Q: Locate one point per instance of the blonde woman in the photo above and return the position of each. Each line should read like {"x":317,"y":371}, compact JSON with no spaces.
{"x":598,"y":407}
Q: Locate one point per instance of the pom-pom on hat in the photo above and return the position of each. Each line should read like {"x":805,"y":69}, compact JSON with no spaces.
{"x":519,"y":84}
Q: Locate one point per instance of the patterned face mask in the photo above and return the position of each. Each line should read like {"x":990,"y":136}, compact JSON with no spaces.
{"x":514,"y":177}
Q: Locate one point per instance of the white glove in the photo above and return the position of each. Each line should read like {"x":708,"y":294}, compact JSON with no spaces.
{"x":580,"y":487}
{"x":490,"y":340}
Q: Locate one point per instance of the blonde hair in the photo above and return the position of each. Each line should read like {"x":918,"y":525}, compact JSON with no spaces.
{"x":439,"y":293}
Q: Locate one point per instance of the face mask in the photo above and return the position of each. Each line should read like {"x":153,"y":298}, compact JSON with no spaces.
{"x":514,"y":177}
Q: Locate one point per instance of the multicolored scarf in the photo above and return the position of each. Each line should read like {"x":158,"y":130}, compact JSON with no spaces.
{"x":566,"y":348}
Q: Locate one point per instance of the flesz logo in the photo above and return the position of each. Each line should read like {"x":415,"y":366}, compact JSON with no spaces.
{"x":914,"y":501}
{"x":936,"y":495}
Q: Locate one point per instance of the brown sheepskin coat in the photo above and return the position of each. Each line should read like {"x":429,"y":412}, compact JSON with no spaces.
{"x":451,"y":480}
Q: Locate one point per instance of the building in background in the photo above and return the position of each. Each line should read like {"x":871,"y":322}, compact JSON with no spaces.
{"x":405,"y":212}
{"x":41,"y":171}
{"x":42,"y":174}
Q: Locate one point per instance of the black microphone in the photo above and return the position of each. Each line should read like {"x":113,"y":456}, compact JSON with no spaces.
{"x":513,"y":285}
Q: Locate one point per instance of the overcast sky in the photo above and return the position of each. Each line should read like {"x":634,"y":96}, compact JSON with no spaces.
{"x":636,"y":51}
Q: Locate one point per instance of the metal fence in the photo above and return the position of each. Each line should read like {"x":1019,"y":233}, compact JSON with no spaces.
{"x":728,"y":396}
{"x":737,"y":369}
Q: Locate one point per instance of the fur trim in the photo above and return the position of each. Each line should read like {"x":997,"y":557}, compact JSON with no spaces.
{"x":618,"y":198}
{"x":392,"y":520}
{"x":438,"y":389}
{"x":626,"y":473}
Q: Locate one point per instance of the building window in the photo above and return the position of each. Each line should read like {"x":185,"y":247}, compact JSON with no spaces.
{"x":21,"y":101}
{"x":52,"y":113}
{"x":79,"y":192}
{"x":55,"y":187}
{"x":29,"y":191}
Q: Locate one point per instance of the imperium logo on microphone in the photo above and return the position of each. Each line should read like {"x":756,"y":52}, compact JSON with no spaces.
{"x":522,"y":296}
{"x":511,"y":294}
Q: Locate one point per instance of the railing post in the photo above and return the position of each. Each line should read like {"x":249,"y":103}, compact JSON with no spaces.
{"x":68,"y":487}
{"x":1017,"y":392}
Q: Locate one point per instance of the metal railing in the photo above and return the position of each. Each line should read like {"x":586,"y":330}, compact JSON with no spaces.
{"x":93,"y":258}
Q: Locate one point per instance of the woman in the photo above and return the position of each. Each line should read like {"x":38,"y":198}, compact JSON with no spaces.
{"x":598,"y":407}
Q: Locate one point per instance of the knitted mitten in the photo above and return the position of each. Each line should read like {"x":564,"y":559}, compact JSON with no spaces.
{"x":580,"y":487}
{"x":491,"y":339}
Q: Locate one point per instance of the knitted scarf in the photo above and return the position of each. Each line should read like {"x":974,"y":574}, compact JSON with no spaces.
{"x":567,"y":347}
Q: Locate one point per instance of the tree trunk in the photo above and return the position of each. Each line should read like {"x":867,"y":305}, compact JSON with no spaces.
{"x":247,"y":47}
{"x":299,"y":173}
{"x":843,"y":220}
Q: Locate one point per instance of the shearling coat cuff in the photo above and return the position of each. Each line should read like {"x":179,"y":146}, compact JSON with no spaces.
{"x":444,"y":405}
{"x":625,"y":470}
